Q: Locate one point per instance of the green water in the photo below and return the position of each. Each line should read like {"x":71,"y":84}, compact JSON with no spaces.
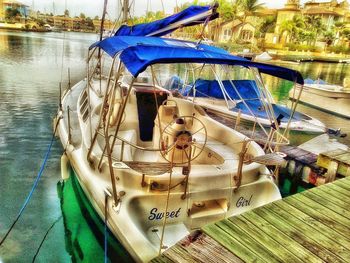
{"x":84,"y":230}
{"x":30,"y":72}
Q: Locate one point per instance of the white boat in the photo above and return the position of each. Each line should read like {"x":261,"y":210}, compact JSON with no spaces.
{"x":153,"y":165}
{"x":263,"y":57}
{"x":245,"y":99}
{"x":334,"y":99}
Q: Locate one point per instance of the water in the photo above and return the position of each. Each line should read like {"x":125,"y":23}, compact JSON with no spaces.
{"x":30,"y":70}
{"x":333,"y":73}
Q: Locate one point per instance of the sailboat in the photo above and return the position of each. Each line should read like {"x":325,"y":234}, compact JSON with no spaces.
{"x":155,"y":166}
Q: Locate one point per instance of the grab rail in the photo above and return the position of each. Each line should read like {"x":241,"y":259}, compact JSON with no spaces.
{"x":122,"y":148}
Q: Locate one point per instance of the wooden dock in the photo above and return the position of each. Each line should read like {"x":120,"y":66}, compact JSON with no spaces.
{"x":312,"y":226}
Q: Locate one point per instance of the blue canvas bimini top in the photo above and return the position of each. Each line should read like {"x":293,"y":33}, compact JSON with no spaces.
{"x":137,"y":53}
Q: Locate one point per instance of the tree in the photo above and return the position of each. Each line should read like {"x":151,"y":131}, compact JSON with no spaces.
{"x":248,"y":7}
{"x":306,"y":36}
{"x":292,"y":28}
{"x":89,"y":23}
{"x":227,"y":10}
{"x":82,"y":16}
{"x":315,"y":25}
{"x":329,"y":37}
{"x":267,"y":25}
{"x":66,"y":13}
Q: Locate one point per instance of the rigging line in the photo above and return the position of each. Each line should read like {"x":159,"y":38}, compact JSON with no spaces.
{"x":167,"y":202}
{"x":44,"y":238}
{"x":64,"y":43}
{"x":34,"y":185}
{"x":162,"y":7}
{"x":106,"y":230}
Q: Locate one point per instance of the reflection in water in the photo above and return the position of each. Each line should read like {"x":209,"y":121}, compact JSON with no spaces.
{"x":30,"y":66}
{"x":84,"y":230}
{"x":30,"y":72}
{"x":3,"y":43}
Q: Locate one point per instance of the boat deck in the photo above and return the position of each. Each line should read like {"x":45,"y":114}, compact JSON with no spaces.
{"x":312,"y":226}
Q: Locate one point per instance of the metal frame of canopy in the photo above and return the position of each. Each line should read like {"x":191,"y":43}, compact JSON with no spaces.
{"x":144,"y":62}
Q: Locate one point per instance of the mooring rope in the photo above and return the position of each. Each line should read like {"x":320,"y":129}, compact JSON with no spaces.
{"x":34,"y":185}
{"x":44,"y":238}
{"x":106,"y":231}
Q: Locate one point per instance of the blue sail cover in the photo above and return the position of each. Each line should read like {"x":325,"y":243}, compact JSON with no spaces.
{"x":192,"y":15}
{"x":246,"y":90}
{"x":137,"y":53}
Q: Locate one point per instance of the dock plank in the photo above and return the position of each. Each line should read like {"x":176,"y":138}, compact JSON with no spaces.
{"x":328,"y":203}
{"x":190,"y":249}
{"x":328,"y":219}
{"x":230,"y":243}
{"x":317,"y":223}
{"x":337,"y":192}
{"x":312,"y":226}
{"x":342,"y":183}
{"x":230,"y":228}
{"x":325,"y":237}
{"x":264,"y":240}
{"x":298,"y":235}
{"x":281,"y":237}
{"x":336,"y":215}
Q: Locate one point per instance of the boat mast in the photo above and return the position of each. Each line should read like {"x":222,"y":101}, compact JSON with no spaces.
{"x":125,"y":10}
{"x":103,"y":21}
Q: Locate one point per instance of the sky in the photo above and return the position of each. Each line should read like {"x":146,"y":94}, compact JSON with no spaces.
{"x":94,"y":7}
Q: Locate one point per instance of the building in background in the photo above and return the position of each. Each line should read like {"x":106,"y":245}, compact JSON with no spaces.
{"x":2,"y":10}
{"x":13,"y":4}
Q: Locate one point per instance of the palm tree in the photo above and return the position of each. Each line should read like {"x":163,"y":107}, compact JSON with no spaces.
{"x":248,"y":7}
{"x":268,"y":25}
{"x":329,"y":37}
{"x":227,"y":10}
{"x":315,"y":25}
{"x":292,"y":28}
{"x":306,"y":36}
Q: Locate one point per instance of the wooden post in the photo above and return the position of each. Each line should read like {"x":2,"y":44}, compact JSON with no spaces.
{"x":238,"y":177}
{"x":332,"y":171}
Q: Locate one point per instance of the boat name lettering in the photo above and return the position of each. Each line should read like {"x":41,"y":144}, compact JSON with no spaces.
{"x":155,"y":215}
{"x":242,"y":202}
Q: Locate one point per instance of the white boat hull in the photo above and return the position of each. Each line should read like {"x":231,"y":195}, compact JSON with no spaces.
{"x":331,"y":101}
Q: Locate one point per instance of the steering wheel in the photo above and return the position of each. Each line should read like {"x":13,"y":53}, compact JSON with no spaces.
{"x":177,"y":141}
